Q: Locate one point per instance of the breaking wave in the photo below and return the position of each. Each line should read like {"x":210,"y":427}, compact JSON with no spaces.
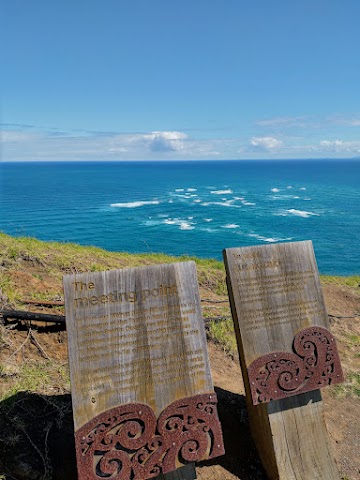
{"x":134,"y":204}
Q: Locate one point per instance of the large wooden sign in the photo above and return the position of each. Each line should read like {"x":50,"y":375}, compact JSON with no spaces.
{"x":287,"y":353}
{"x":142,"y":392}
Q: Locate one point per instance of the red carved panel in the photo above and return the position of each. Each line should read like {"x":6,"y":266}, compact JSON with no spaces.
{"x":128,"y":442}
{"x":315,"y":363}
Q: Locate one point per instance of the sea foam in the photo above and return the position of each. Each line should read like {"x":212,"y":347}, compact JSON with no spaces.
{"x":134,"y":204}
{"x":231,"y":225}
{"x":267,"y":239}
{"x":221,"y":192}
{"x":302,"y":213}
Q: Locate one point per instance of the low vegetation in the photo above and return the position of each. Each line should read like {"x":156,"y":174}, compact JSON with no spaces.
{"x":34,"y":370}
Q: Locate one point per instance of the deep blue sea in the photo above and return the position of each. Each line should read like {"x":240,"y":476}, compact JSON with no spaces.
{"x":195,"y":208}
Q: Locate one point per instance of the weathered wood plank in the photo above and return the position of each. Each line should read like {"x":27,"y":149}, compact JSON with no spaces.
{"x":275,"y":293}
{"x":137,"y":343}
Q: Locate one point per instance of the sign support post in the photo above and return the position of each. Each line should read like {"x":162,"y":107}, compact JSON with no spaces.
{"x":286,"y":353}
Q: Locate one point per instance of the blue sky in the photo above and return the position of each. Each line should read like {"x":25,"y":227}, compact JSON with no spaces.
{"x":199,"y":79}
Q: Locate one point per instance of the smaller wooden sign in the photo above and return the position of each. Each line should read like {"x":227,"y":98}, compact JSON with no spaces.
{"x":286,"y":352}
{"x":142,"y":393}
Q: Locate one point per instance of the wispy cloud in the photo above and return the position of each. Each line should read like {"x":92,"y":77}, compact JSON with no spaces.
{"x":346,"y":120}
{"x":300,"y":121}
{"x":340,"y":146}
{"x":16,"y":136}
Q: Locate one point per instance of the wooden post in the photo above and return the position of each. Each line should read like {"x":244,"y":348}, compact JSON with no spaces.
{"x":184,"y":473}
{"x":142,"y":393}
{"x":280,"y":320}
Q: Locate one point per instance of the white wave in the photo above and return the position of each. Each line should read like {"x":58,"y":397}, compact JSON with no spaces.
{"x":171,"y":201}
{"x":231,"y":225}
{"x":163,"y":215}
{"x":186,"y":226}
{"x":281,"y":197}
{"x":289,"y":187}
{"x":275,"y":190}
{"x":267,"y":239}
{"x":208,"y":219}
{"x":190,"y":218}
{"x":197,"y":201}
{"x":243,"y":201}
{"x":302,"y":188}
{"x":307,"y":198}
{"x":134,"y":204}
{"x":295,"y":197}
{"x":192,"y":189}
{"x":221,"y":192}
{"x":181,"y":195}
{"x":302,"y":213}
{"x":182,"y":224}
{"x":179,"y":189}
{"x":228,"y":203}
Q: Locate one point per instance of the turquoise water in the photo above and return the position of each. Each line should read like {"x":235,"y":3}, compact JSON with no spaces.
{"x":195,"y":208}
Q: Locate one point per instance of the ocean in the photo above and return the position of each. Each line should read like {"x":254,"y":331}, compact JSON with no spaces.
{"x":189,"y":208}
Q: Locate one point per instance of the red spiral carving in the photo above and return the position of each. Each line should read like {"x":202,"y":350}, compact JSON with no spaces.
{"x":127,"y":442}
{"x":314,"y":364}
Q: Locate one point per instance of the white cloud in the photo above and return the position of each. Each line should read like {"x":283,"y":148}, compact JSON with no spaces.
{"x":340,"y":146}
{"x":266,"y":143}
{"x":15,"y":136}
{"x":166,"y":141}
{"x":331,"y":143}
{"x":157,"y":141}
{"x":175,"y":144}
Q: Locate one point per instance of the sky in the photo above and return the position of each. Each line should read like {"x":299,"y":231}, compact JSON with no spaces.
{"x":181,"y":80}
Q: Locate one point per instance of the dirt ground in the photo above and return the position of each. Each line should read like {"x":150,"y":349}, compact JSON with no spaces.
{"x":36,"y":429}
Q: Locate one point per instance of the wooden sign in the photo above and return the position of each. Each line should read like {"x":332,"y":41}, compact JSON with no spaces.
{"x":286,"y":352}
{"x":142,"y":393}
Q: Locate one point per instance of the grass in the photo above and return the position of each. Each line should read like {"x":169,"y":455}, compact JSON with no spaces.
{"x":34,"y":270}
{"x":222,"y":332}
{"x":42,"y":377}
{"x":351,"y":386}
{"x":56,"y":259}
{"x":352,"y":281}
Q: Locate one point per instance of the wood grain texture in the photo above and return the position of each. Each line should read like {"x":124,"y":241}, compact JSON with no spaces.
{"x":135,"y":335}
{"x":274,"y":293}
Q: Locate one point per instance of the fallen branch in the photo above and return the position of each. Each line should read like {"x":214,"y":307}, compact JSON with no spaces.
{"x":39,"y":317}
{"x":38,"y":346}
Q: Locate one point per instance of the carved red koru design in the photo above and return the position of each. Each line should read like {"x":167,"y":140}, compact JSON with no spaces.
{"x":314,"y":364}
{"x":128,"y":442}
